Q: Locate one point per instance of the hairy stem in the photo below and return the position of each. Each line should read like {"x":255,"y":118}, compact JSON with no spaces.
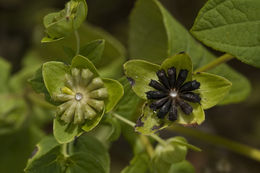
{"x":224,"y":58}
{"x":219,"y":141}
{"x":77,"y":41}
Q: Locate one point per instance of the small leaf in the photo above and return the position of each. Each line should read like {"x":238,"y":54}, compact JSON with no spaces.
{"x":115,"y":93}
{"x":231,"y":26}
{"x":86,"y":154}
{"x":140,"y":73}
{"x":213,"y":88}
{"x":65,"y":132}
{"x":83,"y":62}
{"x":140,"y":163}
{"x":179,"y":61}
{"x":37,"y":82}
{"x":93,"y":50}
{"x":54,"y":76}
{"x":5,"y":69}
{"x":182,"y":167}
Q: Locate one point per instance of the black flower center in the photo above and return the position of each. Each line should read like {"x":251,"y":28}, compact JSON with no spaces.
{"x":171,"y":92}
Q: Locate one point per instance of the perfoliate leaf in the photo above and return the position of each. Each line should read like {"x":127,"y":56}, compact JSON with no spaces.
{"x":231,"y":26}
{"x":212,"y":89}
{"x":140,"y":74}
{"x":81,"y":62}
{"x":86,"y":154}
{"x":155,"y":35}
{"x":182,"y":167}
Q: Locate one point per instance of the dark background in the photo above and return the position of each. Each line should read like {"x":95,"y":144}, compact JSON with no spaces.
{"x":240,"y":122}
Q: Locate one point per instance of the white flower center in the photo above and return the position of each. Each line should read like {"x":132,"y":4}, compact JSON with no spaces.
{"x":78,"y":96}
{"x":173,"y":94}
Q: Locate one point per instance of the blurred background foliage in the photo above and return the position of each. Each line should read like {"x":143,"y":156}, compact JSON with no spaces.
{"x":20,"y":35}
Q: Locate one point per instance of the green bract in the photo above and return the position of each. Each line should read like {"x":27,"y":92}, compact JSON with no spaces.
{"x":81,"y":95}
{"x":60,"y":24}
{"x":212,"y":90}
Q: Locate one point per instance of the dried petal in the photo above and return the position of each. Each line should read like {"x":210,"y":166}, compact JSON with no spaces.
{"x":158,"y":104}
{"x":190,"y":86}
{"x":67,"y":116}
{"x":155,"y":94}
{"x":191,"y":97}
{"x":89,"y":113}
{"x":86,"y":75}
{"x":61,"y":108}
{"x":173,"y":113}
{"x":164,"y":109}
{"x":62,"y":97}
{"x":95,"y":84}
{"x":99,"y":93}
{"x":185,"y":107}
{"x":69,"y":81}
{"x":157,"y":85}
{"x":163,"y":78}
{"x":181,"y":78}
{"x":79,"y":117}
{"x":171,"y":76}
{"x":76,"y":75}
{"x":96,"y":104}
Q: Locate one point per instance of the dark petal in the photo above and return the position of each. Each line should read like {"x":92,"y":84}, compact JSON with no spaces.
{"x":173,"y":113}
{"x":155,"y":94}
{"x":163,"y":78}
{"x":191,"y":97}
{"x":172,"y":76}
{"x":190,"y":86}
{"x":181,"y":78}
{"x":164,"y":109}
{"x":158,"y":103}
{"x":157,"y":85}
{"x":185,"y":107}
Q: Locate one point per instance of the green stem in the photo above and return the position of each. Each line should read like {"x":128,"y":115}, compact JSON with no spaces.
{"x":77,"y":41}
{"x":220,"y":141}
{"x":224,"y":58}
{"x":65,"y":150}
{"x":148,"y":145}
{"x":130,"y":123}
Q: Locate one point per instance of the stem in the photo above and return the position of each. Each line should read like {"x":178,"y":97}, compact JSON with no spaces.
{"x":148,"y":145}
{"x":77,"y":41}
{"x":130,"y":123}
{"x":220,"y":141}
{"x":65,"y":150}
{"x":224,"y":58}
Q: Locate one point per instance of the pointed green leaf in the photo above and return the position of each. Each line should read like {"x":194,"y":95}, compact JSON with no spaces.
{"x":86,"y":154}
{"x":212,"y":89}
{"x":83,"y":62}
{"x":155,"y":35}
{"x":54,"y":75}
{"x":93,"y":50}
{"x":179,"y":61}
{"x":65,"y":132}
{"x":231,"y":26}
{"x":140,"y":163}
{"x":140,"y":73}
{"x":115,"y":93}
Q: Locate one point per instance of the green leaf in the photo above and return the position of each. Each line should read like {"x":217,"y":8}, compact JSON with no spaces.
{"x":179,"y":61}
{"x":112,"y":59}
{"x":213,"y":88}
{"x":83,"y":62}
{"x":54,"y":75}
{"x":93,"y":50}
{"x":182,"y":167}
{"x":155,"y":35}
{"x":90,"y":124}
{"x":65,"y":132}
{"x":140,"y":73}
{"x":5,"y":69}
{"x":37,"y":82}
{"x":150,"y":123}
{"x":167,"y":155}
{"x":140,"y":163}
{"x":115,"y":93}
{"x":86,"y":154}
{"x":231,"y":26}
{"x":60,"y":24}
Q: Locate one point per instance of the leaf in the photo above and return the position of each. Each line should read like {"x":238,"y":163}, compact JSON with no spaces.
{"x":86,"y":154}
{"x":60,"y":24}
{"x":93,"y":50}
{"x":90,"y":124}
{"x":5,"y":69}
{"x":140,"y":73}
{"x":112,"y":59}
{"x":37,"y":82}
{"x":167,"y":155}
{"x":54,"y":75}
{"x":179,"y":61}
{"x":155,"y":35}
{"x":149,"y":122}
{"x":213,"y":88}
{"x":115,"y":93}
{"x":231,"y":26}
{"x":83,"y":62}
{"x":65,"y":132}
{"x":182,"y":167}
{"x":140,"y":163}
